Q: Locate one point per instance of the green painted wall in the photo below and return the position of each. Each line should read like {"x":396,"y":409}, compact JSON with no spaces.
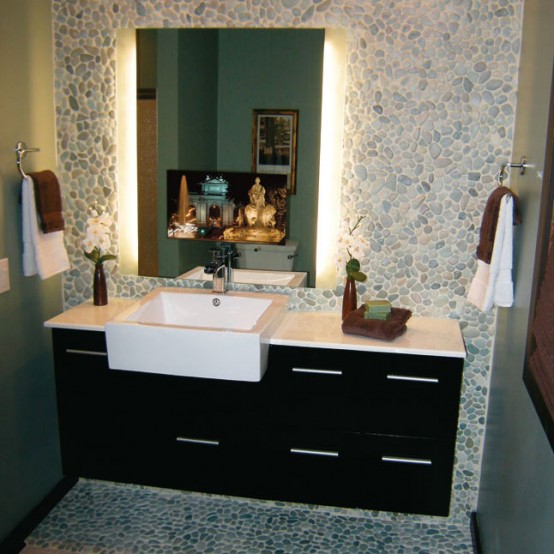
{"x":218,"y":106}
{"x":187,"y":117}
{"x":516,"y":496}
{"x":198,"y":90}
{"x":29,"y":444}
{"x":169,"y":255}
{"x":147,"y":48}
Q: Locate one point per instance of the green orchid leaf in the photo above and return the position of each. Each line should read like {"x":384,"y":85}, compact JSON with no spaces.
{"x":353,"y":270}
{"x":357,"y":276}
{"x":352,"y":265}
{"x":105,"y":258}
{"x":92,"y":256}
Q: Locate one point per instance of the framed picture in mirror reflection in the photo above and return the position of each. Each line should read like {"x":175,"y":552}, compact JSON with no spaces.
{"x":274,"y":137}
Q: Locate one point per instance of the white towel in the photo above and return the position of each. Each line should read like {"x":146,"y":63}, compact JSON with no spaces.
{"x":42,"y":253}
{"x":492,"y":284}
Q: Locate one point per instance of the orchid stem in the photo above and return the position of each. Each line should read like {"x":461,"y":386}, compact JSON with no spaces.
{"x":357,"y":224}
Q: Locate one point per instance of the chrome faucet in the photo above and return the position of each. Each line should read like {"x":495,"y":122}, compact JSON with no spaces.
{"x":229,"y":255}
{"x":218,"y":269}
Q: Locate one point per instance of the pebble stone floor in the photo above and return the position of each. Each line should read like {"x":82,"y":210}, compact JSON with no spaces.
{"x":101,"y":517}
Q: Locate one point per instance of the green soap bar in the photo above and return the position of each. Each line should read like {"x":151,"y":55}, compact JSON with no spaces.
{"x":378,"y":305}
{"x":381,"y":317}
{"x":377,"y":310}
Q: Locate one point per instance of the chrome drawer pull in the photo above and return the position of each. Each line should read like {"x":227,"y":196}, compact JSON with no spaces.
{"x":329,"y":453}
{"x":197,"y":441}
{"x":319,"y":371}
{"x":85,"y":352}
{"x":414,"y":379}
{"x":417,"y":461}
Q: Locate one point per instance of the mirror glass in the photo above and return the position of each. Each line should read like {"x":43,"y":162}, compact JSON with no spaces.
{"x":197,"y":92}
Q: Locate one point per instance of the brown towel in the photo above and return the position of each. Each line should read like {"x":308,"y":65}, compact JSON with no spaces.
{"x":490,"y":219}
{"x":355,"y":324}
{"x":48,"y":200}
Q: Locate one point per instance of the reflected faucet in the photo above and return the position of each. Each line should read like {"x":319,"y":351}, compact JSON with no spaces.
{"x":221,"y":267}
{"x":229,"y":255}
{"x":218,"y":269}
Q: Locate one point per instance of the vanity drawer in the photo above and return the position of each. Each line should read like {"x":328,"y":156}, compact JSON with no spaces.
{"x":311,"y":467}
{"x":366,"y":392}
{"x":80,"y":349}
{"x":207,"y":458}
{"x":397,"y":474}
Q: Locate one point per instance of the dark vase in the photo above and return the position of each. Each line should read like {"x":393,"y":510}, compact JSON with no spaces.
{"x":100,"y":290}
{"x":350,"y":298}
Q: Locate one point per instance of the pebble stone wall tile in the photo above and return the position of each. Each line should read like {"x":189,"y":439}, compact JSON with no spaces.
{"x":430,"y":102}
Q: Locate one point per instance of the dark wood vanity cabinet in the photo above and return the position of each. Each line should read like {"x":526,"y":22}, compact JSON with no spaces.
{"x":324,"y":426}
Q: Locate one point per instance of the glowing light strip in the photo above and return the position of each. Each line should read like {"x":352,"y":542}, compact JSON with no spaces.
{"x":330,"y":167}
{"x":126,"y":84}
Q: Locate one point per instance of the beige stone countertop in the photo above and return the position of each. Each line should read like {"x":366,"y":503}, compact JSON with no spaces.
{"x":424,"y":336}
{"x":88,"y":317}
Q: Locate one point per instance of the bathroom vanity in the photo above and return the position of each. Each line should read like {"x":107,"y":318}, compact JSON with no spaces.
{"x":336,"y":420}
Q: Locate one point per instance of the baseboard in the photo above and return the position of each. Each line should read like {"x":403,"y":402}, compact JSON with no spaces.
{"x":15,"y":541}
{"x":475,"y":536}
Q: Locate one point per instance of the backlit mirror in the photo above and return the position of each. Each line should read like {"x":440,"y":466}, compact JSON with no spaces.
{"x":197,"y":92}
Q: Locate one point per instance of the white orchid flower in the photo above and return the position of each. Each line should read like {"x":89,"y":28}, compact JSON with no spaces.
{"x":97,"y":238}
{"x":355,"y":247}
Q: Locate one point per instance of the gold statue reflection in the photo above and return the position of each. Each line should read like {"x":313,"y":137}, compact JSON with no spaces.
{"x":260,"y":219}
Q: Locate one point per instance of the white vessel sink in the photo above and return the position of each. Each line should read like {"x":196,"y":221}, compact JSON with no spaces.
{"x":254,"y":277}
{"x":195,"y":333}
